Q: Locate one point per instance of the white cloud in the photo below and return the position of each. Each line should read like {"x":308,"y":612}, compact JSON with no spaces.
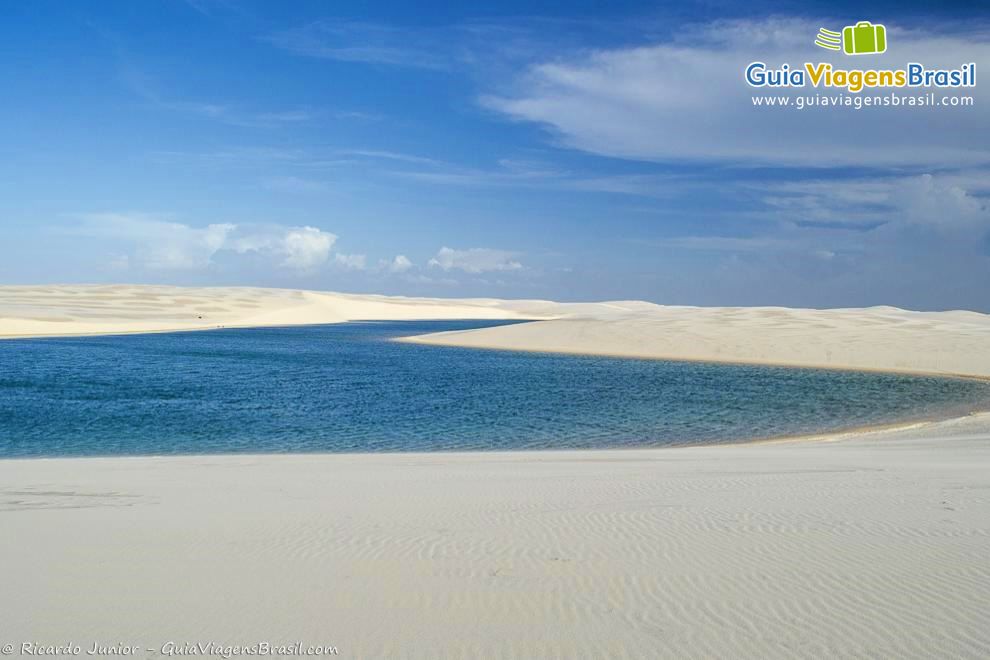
{"x":475,"y":260}
{"x":159,"y":244}
{"x":305,"y":248}
{"x":686,"y":99}
{"x":400,"y":264}
{"x":302,"y":249}
{"x":350,"y":261}
{"x":941,"y":201}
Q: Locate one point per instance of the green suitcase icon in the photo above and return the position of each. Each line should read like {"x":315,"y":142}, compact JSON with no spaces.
{"x":864,"y":38}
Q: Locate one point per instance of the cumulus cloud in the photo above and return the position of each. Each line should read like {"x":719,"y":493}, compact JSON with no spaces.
{"x":941,"y":202}
{"x":475,"y":260}
{"x":686,"y":99}
{"x":153,"y":243}
{"x":400,"y":264}
{"x":159,"y":244}
{"x":306,"y":248}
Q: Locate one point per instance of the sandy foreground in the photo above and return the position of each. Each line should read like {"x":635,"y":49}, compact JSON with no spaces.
{"x":884,"y":338}
{"x":874,"y":545}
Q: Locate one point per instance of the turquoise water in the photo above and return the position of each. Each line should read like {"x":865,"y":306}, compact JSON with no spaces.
{"x":346,"y":388}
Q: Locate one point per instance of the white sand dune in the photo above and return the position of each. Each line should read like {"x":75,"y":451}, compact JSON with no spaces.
{"x":880,"y":338}
{"x":884,"y":338}
{"x":59,"y":310}
{"x":873,"y":546}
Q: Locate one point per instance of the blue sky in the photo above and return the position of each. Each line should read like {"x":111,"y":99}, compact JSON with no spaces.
{"x":579,"y":150}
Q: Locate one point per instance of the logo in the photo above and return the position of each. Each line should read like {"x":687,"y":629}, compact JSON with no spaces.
{"x":864,"y":38}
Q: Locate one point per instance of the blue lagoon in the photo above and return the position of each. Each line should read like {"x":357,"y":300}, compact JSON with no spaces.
{"x":348,"y":388}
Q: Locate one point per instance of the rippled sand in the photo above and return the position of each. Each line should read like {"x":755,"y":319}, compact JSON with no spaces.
{"x":871,"y":546}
